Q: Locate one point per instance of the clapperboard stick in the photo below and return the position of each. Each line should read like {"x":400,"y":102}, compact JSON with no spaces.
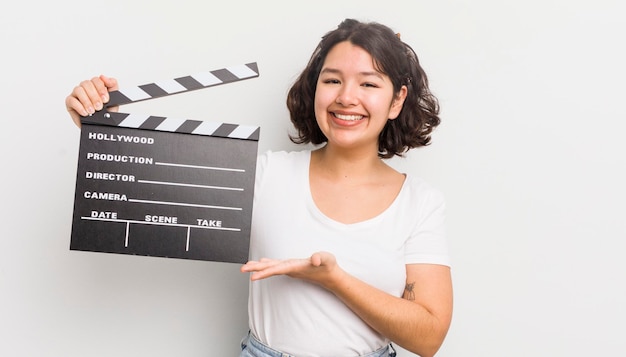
{"x":175,"y":86}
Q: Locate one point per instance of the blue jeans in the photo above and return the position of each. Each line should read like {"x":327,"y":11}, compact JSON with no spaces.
{"x":251,"y":347}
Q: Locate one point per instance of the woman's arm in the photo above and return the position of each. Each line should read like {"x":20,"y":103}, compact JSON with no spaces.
{"x":417,"y":322}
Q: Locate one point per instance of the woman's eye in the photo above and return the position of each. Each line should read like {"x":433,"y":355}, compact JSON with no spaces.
{"x":370,"y":85}
{"x":331,"y":81}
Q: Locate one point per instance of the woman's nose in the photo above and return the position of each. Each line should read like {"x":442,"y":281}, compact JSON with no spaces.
{"x":347,"y":96}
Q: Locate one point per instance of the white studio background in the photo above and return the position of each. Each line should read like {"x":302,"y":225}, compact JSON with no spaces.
{"x":530,"y":156}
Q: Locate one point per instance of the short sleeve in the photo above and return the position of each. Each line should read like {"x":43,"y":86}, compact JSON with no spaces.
{"x":427,"y":243}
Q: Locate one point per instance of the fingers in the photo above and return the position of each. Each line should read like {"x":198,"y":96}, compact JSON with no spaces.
{"x":109,"y":82}
{"x":264,"y":263}
{"x":321,"y":268}
{"x":89,"y":96}
{"x":265,"y":268}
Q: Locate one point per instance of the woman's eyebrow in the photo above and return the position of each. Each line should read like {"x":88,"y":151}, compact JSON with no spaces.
{"x":364,"y":73}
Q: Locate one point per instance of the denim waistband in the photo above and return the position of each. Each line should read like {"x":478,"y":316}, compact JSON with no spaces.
{"x":251,"y":347}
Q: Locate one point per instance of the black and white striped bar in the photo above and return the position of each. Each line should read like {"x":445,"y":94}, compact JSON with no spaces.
{"x":183,"y":84}
{"x":176,"y":125}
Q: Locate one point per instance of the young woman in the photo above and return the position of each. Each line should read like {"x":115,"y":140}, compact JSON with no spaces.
{"x":347,"y":255}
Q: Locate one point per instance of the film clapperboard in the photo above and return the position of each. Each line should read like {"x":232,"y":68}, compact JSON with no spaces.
{"x":166,"y":187}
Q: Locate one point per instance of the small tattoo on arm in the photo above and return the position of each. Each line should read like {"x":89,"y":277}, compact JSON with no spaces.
{"x":409,"y":293}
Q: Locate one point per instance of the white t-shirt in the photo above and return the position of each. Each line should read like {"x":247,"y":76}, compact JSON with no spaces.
{"x":301,"y":318}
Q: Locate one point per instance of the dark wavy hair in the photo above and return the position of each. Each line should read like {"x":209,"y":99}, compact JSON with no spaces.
{"x":392,"y":57}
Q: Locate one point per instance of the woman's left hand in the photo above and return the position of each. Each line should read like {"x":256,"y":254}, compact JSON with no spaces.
{"x":320,"y":268}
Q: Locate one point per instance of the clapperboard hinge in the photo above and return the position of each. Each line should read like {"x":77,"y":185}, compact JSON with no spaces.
{"x":176,"y":86}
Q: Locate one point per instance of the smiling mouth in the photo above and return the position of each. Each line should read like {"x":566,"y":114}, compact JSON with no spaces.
{"x":348,"y":117}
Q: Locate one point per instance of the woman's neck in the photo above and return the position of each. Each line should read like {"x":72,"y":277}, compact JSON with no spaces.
{"x":343,"y":164}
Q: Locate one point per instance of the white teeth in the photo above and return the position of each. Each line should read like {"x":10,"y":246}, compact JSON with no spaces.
{"x":349,"y":117}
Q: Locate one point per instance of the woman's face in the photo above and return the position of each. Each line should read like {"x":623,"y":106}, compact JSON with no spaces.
{"x":353,"y":101}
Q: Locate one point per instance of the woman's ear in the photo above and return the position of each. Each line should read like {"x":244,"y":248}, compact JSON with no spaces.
{"x":397,"y":103}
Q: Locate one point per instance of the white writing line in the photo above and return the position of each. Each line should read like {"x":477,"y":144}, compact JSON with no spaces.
{"x":183,"y":204}
{"x":187,"y":245}
{"x":127,"y":231}
{"x":190,"y":185}
{"x":200,"y":167}
{"x":127,"y":221}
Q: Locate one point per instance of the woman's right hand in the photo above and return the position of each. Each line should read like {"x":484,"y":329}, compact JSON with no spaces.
{"x":89,"y":96}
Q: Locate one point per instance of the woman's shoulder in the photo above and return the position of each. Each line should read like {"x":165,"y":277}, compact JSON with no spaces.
{"x":285,"y":154}
{"x":418,"y":189}
{"x":283,"y":157}
{"x":281,"y":161}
